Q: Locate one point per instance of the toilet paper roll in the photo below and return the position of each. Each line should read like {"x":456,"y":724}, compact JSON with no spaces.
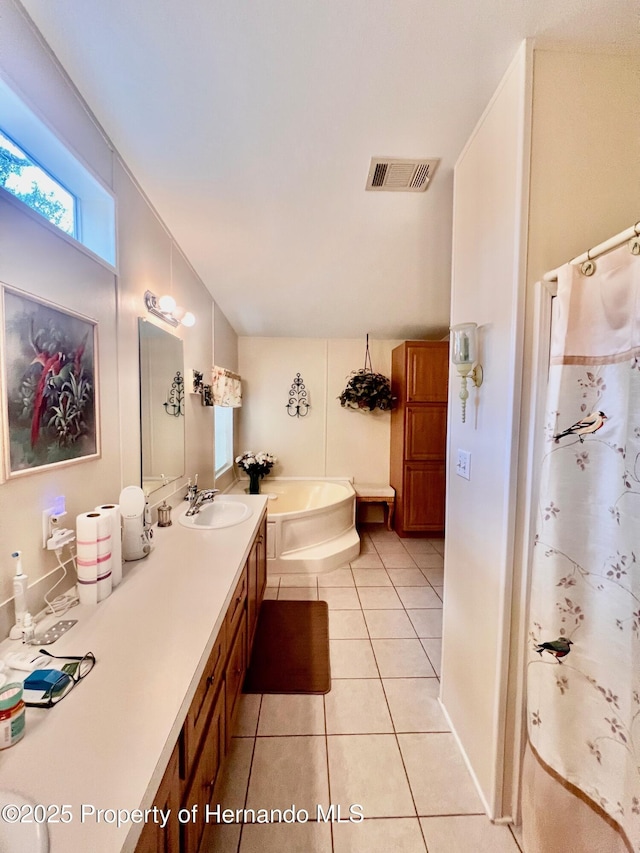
{"x":87,"y":556}
{"x":113,"y":511}
{"x":104,"y":556}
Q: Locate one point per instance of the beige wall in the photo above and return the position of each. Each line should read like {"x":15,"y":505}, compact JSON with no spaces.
{"x":330,"y":441}
{"x":584,"y":177}
{"x":34,"y":258}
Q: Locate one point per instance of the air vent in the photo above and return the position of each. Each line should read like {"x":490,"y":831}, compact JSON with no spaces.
{"x":393,"y":174}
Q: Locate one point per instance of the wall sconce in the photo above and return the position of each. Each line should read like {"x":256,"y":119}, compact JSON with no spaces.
{"x":166,"y":309}
{"x":464,"y":352}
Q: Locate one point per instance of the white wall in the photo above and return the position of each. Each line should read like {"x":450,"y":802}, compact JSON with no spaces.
{"x":330,"y":441}
{"x":35,"y":258}
{"x":489,"y":189}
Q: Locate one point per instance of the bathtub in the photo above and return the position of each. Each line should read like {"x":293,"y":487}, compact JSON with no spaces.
{"x":310,"y":523}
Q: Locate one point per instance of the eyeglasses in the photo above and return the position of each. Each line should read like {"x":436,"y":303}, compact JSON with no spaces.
{"x":71,"y":672}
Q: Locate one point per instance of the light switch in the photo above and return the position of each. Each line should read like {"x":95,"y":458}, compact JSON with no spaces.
{"x":463,"y":465}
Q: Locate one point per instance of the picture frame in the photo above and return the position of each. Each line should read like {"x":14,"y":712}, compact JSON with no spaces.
{"x":50,"y":394}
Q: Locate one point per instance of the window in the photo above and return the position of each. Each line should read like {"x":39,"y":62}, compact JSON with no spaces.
{"x":32,"y":185}
{"x":43,"y":173}
{"x":223,"y":428}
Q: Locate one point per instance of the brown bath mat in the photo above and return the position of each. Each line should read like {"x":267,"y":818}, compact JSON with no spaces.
{"x":291,"y":649}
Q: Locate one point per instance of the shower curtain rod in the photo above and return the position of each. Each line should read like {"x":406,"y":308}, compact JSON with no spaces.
{"x":600,"y":249}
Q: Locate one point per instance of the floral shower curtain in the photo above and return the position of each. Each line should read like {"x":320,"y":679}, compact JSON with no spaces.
{"x":583,"y":674}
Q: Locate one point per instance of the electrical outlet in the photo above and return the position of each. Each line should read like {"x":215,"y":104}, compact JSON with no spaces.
{"x":50,"y":516}
{"x":463,"y":465}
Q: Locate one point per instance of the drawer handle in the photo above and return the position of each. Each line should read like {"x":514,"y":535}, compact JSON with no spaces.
{"x":238,"y":670}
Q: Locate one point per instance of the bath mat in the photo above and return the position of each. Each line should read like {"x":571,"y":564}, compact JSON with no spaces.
{"x":291,"y":649}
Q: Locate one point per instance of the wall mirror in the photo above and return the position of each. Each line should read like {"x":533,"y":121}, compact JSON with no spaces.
{"x":161,"y":406}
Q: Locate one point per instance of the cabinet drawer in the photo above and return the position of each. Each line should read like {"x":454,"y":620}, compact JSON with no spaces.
{"x":195,"y":724}
{"x":154,"y":839}
{"x":236,"y":606}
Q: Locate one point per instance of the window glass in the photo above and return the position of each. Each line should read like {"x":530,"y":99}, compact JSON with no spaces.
{"x":35,"y":187}
{"x":223,"y":426}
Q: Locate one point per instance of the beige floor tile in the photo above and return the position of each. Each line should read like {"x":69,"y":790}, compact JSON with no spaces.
{"x":379,"y":598}
{"x":402,"y":659}
{"x":414,"y":704}
{"x":223,"y":838}
{"x":414,"y":597}
{"x":368,"y":770}
{"x":311,"y":837}
{"x":368,"y":560}
{"x":419,"y":546}
{"x":231,"y":790}
{"x":407,"y":577}
{"x":352,"y":659}
{"x":371,"y":577}
{"x":357,"y":706}
{"x":246,"y":721}
{"x":463,"y":834}
{"x":385,"y":835}
{"x":271,"y":592}
{"x":347,"y":625}
{"x":297,"y":593}
{"x":366,"y":545}
{"x":392,"y":545}
{"x":434,"y":649}
{"x":439,"y":591}
{"x":428,"y":623}
{"x":339,"y":577}
{"x":516,"y":831}
{"x":299,"y":580}
{"x":439,"y":780}
{"x":398,"y":560}
{"x":429,"y":561}
{"x":434,"y":576}
{"x":288,"y":770}
{"x":389,"y":624}
{"x":340,"y":598}
{"x":273,"y":580}
{"x":291,"y":715}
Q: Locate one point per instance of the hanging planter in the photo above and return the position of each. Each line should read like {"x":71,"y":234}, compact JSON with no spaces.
{"x":366,"y":390}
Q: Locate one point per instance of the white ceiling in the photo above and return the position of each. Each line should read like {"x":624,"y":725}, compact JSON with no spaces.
{"x":250,"y":125}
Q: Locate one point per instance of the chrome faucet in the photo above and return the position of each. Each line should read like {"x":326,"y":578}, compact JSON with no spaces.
{"x":192,"y":489}
{"x":199,"y":498}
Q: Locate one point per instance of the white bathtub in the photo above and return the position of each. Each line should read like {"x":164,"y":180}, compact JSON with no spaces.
{"x":310,"y":523}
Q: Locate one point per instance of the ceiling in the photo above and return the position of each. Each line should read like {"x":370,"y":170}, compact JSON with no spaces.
{"x":250,"y":125}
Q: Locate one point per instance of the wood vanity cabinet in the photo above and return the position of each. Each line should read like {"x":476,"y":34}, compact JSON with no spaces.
{"x":419,"y":379}
{"x":198,"y":757}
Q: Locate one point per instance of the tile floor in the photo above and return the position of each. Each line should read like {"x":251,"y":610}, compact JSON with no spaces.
{"x":377,"y":739}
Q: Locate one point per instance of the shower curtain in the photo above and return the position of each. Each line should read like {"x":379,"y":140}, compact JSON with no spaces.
{"x":583,"y":671}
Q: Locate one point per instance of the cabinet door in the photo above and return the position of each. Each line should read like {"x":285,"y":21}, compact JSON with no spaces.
{"x":426,"y":432}
{"x":262,"y":560}
{"x":427,"y":372}
{"x":236,"y":668}
{"x":252,"y":590}
{"x":424,"y":499}
{"x":198,"y":715}
{"x":154,"y":839}
{"x":207,"y":771}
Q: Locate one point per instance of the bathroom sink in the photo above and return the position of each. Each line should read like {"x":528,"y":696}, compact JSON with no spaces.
{"x":21,"y":837}
{"x":219,"y":513}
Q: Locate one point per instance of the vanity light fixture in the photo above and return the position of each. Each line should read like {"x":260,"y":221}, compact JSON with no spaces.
{"x":166,"y":309}
{"x":464,"y":353}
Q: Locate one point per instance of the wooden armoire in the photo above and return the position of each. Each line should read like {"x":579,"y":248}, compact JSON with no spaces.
{"x":419,"y":379}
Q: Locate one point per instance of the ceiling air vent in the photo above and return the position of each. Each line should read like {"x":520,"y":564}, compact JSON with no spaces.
{"x":393,"y":174}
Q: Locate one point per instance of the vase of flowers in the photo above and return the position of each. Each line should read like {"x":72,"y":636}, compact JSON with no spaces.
{"x":257,"y":466}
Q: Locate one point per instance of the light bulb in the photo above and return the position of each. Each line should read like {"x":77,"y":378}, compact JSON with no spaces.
{"x":167,"y":304}
{"x":188,"y":319}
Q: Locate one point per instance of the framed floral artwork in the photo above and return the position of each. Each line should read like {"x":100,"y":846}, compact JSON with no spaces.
{"x":49,"y":385}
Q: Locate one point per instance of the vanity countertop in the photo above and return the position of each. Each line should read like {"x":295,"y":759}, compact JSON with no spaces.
{"x":107,"y":743}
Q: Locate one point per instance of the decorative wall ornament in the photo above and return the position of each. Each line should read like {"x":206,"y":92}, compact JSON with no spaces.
{"x":196,"y":381}
{"x":207,"y":395}
{"x":50,"y":395}
{"x":298,"y":405}
{"x":175,"y":398}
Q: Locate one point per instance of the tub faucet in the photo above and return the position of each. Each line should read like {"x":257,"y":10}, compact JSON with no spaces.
{"x":204,"y":496}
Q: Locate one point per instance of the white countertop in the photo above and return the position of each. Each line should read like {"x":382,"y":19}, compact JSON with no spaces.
{"x":107,"y":743}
